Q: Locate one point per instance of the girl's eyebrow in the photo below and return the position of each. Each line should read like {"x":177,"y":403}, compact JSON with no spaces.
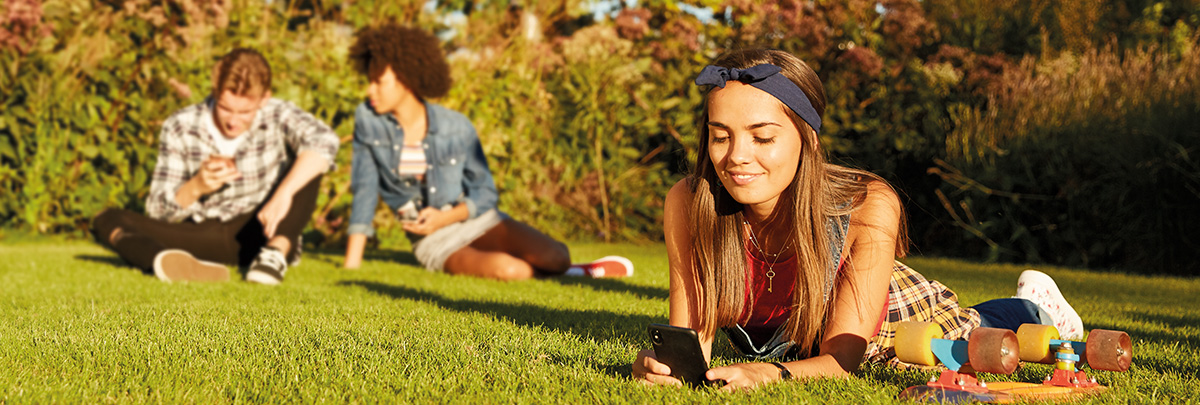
{"x":748,"y":127}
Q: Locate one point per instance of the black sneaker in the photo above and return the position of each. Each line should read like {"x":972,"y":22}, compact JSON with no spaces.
{"x":268,"y":268}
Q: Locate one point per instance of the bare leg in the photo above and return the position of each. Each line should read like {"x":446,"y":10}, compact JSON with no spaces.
{"x":521,"y":241}
{"x":281,"y":243}
{"x":488,"y":264}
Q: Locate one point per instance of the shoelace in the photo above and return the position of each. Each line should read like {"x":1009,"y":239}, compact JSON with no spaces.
{"x":274,"y":259}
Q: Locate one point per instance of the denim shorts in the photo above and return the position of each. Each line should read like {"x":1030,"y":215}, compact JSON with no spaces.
{"x":432,"y":250}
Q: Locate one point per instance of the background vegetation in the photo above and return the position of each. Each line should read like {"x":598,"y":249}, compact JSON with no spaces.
{"x":1056,"y":131}
{"x":79,"y":326}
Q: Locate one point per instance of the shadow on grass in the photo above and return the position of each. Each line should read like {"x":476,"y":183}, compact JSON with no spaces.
{"x":335,"y":256}
{"x":612,"y":285}
{"x":112,"y":261}
{"x":109,"y":260}
{"x":587,"y":324}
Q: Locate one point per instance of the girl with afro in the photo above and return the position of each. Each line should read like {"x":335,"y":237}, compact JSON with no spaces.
{"x":427,"y":165}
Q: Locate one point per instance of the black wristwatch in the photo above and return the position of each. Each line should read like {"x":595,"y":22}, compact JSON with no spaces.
{"x":784,"y":374}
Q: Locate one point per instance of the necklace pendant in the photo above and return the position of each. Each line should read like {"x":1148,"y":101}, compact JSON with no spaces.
{"x":771,"y":280}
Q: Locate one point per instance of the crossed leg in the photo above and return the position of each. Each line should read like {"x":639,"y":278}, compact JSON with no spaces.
{"x":511,"y":250}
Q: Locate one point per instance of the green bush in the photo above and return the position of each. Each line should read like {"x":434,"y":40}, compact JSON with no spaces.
{"x":1074,"y":156}
{"x":1084,"y":160}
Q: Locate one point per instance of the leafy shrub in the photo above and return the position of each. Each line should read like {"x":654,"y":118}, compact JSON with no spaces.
{"x":1086,"y":159}
{"x":587,"y":121}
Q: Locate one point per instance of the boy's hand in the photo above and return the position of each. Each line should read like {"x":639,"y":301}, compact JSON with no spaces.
{"x":215,"y":173}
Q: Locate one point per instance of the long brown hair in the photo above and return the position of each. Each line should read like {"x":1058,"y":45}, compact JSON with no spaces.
{"x":818,"y":191}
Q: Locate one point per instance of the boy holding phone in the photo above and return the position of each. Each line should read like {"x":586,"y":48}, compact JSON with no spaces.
{"x":235,"y":183}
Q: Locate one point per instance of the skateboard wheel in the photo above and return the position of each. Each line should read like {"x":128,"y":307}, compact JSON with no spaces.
{"x":1035,"y":340}
{"x":914,"y":342}
{"x":993,"y":350}
{"x":1109,"y":350}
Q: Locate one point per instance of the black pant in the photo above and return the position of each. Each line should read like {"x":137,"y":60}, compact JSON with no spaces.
{"x":139,"y":238}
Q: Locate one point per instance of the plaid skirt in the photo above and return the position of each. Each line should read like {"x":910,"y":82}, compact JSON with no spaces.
{"x":912,"y":297}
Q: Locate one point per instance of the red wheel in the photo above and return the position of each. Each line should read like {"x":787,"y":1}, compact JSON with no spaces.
{"x":1109,"y":350}
{"x":993,"y":350}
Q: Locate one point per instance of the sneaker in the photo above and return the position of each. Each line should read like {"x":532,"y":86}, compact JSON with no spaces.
{"x":1038,"y":287}
{"x":609,"y":266}
{"x":268,"y":268}
{"x":173,"y":265}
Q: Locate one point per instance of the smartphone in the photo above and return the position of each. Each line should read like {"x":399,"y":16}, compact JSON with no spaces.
{"x":408,"y":212}
{"x":679,"y":349}
{"x":226,"y":160}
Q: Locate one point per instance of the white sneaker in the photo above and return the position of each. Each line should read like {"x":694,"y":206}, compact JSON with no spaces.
{"x":174,"y":265}
{"x":1038,"y":287}
{"x":268,"y":268}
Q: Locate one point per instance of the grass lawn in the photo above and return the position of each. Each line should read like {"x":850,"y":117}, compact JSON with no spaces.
{"x":76,"y":325}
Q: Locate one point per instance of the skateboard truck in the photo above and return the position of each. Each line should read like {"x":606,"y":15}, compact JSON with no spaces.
{"x":958,"y":380}
{"x":959,"y":373}
{"x":1066,"y":374}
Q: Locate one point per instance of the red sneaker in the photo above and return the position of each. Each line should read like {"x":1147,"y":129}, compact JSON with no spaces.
{"x":608,"y":266}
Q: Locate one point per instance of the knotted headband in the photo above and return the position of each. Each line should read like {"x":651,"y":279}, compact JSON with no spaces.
{"x":765,"y":77}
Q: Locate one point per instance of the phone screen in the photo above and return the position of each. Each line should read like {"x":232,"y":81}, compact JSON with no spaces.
{"x":679,"y":349}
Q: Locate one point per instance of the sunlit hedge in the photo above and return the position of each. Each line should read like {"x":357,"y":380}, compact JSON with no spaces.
{"x":1017,"y":131}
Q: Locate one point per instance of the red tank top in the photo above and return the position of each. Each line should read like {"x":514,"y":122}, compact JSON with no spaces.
{"x":771,"y":309}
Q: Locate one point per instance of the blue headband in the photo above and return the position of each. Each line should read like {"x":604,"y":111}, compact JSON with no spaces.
{"x":765,"y":77}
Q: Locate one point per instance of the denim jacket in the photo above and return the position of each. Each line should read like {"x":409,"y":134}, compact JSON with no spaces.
{"x":457,"y":170}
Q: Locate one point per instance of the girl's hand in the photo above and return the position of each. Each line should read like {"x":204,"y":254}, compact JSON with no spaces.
{"x":744,"y":376}
{"x":428,"y":221}
{"x":649,"y":371}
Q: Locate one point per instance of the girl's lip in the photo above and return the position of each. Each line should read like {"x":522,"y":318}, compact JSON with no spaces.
{"x":742,"y":179}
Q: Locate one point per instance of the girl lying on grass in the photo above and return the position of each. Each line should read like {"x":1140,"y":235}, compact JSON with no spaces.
{"x":795,"y":258}
{"x":426,"y":163}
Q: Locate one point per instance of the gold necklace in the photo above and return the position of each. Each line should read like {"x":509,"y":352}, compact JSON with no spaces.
{"x":775,"y":257}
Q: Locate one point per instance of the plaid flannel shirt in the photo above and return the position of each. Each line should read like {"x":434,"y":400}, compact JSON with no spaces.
{"x":279,"y":133}
{"x":912,"y":297}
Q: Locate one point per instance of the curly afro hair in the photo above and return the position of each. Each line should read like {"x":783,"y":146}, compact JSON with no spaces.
{"x":414,"y":55}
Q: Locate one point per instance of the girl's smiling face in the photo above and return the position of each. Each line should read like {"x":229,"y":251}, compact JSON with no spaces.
{"x":753,"y":145}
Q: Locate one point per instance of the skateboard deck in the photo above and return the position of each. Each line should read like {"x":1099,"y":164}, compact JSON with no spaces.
{"x":998,"y":393}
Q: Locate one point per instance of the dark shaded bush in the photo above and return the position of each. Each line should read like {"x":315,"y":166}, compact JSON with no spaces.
{"x":1086,"y":160}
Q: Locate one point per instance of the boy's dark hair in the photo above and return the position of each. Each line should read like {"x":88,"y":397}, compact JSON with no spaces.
{"x":414,"y":55}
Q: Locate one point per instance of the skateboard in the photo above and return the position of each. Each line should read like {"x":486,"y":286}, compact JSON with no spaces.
{"x":999,"y":351}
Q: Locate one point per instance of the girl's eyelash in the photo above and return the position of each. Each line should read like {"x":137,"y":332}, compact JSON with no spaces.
{"x":764,"y":141}
{"x":720,"y":139}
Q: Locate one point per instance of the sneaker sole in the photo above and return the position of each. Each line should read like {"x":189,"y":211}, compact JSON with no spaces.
{"x":262,"y":277}
{"x":177,"y":265}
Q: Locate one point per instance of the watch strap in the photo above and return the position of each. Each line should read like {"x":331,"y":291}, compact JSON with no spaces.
{"x":784,"y":374}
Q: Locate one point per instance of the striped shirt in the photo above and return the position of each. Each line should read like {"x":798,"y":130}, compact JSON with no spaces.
{"x":279,"y":132}
{"x":412,"y":161}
